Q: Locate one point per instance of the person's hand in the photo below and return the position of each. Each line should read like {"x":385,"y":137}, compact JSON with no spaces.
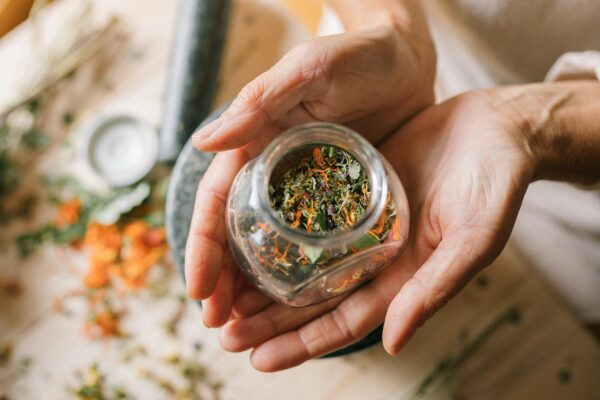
{"x":371,"y":79}
{"x":465,"y":165}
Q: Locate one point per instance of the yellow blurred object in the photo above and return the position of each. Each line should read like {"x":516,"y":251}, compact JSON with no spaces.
{"x":307,"y":11}
{"x":12,"y":13}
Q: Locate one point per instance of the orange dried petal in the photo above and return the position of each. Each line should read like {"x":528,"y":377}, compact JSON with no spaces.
{"x":68,"y":212}
{"x":103,"y":324}
{"x":135,"y":229}
{"x":97,"y":275}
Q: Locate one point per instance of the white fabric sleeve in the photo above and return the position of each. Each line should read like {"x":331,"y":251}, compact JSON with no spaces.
{"x":330,"y":23}
{"x":575,"y":65}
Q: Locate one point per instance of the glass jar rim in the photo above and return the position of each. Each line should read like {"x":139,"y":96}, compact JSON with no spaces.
{"x":323,"y":133}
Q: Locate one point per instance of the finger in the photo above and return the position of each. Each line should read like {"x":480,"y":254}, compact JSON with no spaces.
{"x":267,"y":100}
{"x":442,"y":275}
{"x":206,"y":242}
{"x":249,"y":302}
{"x":217,"y":308}
{"x":352,"y":320}
{"x":245,"y":333}
{"x":362,"y":311}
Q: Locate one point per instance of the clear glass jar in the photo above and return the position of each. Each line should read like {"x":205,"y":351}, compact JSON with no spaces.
{"x":299,"y":268}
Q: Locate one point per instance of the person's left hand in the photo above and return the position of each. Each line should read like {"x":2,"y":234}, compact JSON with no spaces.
{"x":465,"y":165}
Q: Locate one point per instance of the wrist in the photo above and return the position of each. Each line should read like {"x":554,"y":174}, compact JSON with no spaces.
{"x":405,"y":17}
{"x":358,"y":14}
{"x":559,"y":125}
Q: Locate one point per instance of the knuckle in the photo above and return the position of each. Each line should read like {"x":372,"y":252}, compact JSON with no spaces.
{"x":310,"y":341}
{"x":230,"y":340}
{"x":272,"y":319}
{"x":430,"y":301}
{"x":434,"y":299}
{"x":212,"y":201}
{"x":211,"y":213}
{"x":304,"y":345}
{"x":311,"y":60}
{"x":249,"y":97}
{"x":338,"y":320}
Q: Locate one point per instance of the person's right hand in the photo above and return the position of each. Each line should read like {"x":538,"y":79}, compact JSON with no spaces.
{"x":371,"y":80}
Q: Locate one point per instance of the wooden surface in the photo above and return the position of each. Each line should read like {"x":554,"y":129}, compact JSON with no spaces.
{"x":546,"y":355}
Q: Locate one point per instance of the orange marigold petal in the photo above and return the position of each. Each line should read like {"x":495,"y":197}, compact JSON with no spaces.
{"x":68,"y":212}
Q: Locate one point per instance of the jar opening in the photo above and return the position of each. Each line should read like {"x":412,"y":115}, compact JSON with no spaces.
{"x":356,"y":158}
{"x":319,"y":189}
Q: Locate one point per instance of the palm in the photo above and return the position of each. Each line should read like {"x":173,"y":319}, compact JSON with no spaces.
{"x":465,"y":174}
{"x":337,"y":78}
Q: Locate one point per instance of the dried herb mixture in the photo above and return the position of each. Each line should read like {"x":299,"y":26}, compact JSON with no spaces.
{"x":92,"y":386}
{"x":327,"y":192}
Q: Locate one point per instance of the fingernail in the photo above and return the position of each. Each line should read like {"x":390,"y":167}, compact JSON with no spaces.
{"x":207,"y":131}
{"x":390,"y":351}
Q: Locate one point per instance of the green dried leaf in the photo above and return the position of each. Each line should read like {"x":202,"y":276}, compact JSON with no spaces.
{"x":4,"y":131}
{"x":9,"y":174}
{"x":35,"y":139}
{"x":93,"y":386}
{"x":365,"y":242}
{"x":34,"y":106}
{"x":320,"y":221}
{"x":354,"y":171}
{"x":60,"y":187}
{"x":313,"y":253}
{"x":68,"y":118}
{"x":28,"y":243}
{"x":155,"y":219}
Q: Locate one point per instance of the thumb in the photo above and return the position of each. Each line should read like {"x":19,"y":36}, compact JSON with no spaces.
{"x":273,"y":98}
{"x":446,"y":271}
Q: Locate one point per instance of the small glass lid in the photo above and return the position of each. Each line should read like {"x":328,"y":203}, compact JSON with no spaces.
{"x":120,"y":148}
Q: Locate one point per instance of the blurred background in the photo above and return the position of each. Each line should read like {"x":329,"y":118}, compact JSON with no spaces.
{"x":97,"y":99}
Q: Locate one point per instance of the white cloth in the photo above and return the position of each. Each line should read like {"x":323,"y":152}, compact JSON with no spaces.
{"x":482,"y":44}
{"x":559,"y":225}
{"x":514,"y":40}
{"x":576,"y":65}
{"x":487,"y":43}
